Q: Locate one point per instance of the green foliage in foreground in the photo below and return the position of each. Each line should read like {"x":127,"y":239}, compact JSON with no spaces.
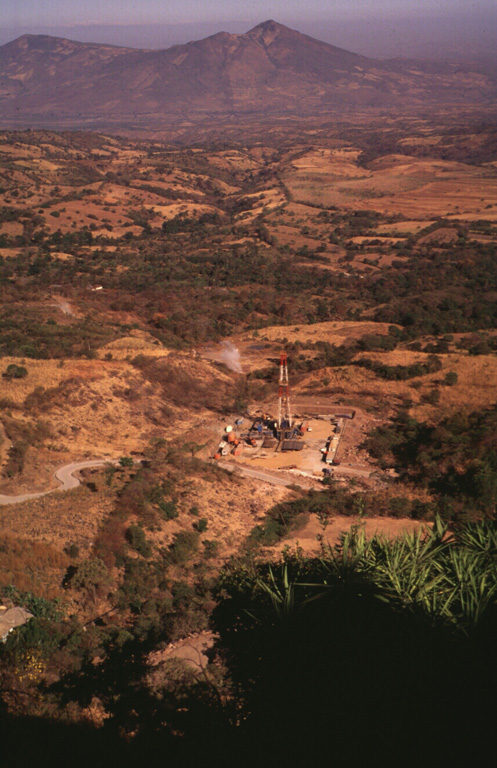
{"x":376,"y":646}
{"x":354,"y":648}
{"x":447,"y":578}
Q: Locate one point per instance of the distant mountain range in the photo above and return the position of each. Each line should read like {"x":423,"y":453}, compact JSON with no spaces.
{"x":269,"y":71}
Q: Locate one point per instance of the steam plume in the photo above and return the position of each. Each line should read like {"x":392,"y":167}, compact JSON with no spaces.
{"x":230,"y":356}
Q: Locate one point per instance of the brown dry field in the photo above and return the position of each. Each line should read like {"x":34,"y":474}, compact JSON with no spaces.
{"x":414,"y":187}
{"x":7,"y":253}
{"x":138,"y":342}
{"x":106,"y":206}
{"x":233,"y":159}
{"x":394,"y":184}
{"x":166,"y":212}
{"x":232,"y":507}
{"x":267,"y":200}
{"x":404,"y":227}
{"x":334,"y":332}
{"x":11,"y":228}
{"x":475,"y":389}
{"x":383,"y":240}
{"x":116,"y":223}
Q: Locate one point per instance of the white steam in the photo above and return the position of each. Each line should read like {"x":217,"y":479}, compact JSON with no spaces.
{"x":230,"y":356}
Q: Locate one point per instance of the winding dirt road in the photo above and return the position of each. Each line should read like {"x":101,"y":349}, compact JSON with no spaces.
{"x":66,"y":477}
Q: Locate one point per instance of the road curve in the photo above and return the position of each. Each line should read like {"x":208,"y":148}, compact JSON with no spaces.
{"x":66,"y":477}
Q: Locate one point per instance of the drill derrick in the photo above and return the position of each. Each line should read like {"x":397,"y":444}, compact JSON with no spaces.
{"x":284,"y":412}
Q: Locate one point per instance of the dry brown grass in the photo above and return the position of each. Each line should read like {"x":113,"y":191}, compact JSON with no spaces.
{"x":107,"y":409}
{"x":41,"y":373}
{"x":383,"y":240}
{"x":11,"y":228}
{"x":476,"y":388}
{"x":170,"y":211}
{"x":231,"y":507}
{"x":58,"y":519}
{"x":334,"y":332}
{"x":97,"y":408}
{"x":9,"y":252}
{"x":140,"y":343}
{"x":233,"y":159}
{"x":32,"y":566}
{"x":267,"y":200}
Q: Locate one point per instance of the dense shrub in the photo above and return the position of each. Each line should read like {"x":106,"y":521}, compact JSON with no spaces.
{"x":135,"y":536}
{"x":184,"y":546}
{"x":14,"y":371}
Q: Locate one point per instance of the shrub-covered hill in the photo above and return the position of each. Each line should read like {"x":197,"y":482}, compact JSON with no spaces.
{"x":102,"y":408}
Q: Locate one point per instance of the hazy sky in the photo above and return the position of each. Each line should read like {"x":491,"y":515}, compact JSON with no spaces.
{"x":47,"y":12}
{"x":368,"y":26}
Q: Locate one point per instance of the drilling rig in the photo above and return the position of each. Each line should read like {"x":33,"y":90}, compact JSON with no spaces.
{"x":284,"y":412}
{"x":280,"y":434}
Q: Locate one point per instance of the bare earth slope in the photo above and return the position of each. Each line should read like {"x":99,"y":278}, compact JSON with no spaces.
{"x":271,"y":69}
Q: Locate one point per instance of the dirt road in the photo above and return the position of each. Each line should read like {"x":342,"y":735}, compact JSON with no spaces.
{"x":258,"y":474}
{"x":66,"y":477}
{"x":265,"y":477}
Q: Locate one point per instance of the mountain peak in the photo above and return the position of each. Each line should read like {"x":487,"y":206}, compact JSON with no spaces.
{"x":268,"y":30}
{"x":268,"y":24}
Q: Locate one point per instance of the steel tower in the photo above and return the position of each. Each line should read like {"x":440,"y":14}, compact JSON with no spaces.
{"x":284,"y":412}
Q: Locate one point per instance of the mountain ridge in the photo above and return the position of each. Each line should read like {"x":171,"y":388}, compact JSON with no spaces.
{"x":269,"y":70}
